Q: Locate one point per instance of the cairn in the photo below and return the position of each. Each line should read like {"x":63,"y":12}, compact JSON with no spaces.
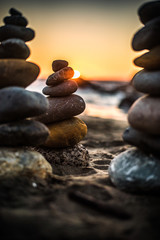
{"x":138,"y":169}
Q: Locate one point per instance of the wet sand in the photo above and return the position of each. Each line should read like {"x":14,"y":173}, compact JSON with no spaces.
{"x":80,"y":203}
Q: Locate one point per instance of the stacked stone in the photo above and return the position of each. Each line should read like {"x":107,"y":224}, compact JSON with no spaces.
{"x":18,"y":104}
{"x":139,"y":168}
{"x":65,"y":129}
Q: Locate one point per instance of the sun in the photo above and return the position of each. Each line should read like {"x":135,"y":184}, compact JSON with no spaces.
{"x":76,"y":74}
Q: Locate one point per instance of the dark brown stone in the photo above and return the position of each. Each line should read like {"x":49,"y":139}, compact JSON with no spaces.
{"x":16,"y":20}
{"x":63,"y":89}
{"x":59,"y":64}
{"x":149,"y":10}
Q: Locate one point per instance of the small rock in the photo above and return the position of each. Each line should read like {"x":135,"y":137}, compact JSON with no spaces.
{"x":147,"y":82}
{"x":19,"y":161}
{"x":17,"y":103}
{"x":13,"y":31}
{"x":144,"y":115}
{"x":59,"y":64}
{"x":14,"y":11}
{"x":77,"y":156}
{"x":17,"y":72}
{"x":134,"y":171}
{"x":60,"y":76}
{"x":23,"y":133}
{"x":148,"y":36}
{"x":61,"y":108}
{"x":16,"y":20}
{"x":146,"y":142}
{"x":14,"y":48}
{"x":149,"y":60}
{"x":66,"y":133}
{"x":63,"y":89}
{"x":149,"y":10}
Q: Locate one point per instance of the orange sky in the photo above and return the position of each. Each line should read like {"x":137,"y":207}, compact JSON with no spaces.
{"x":95,"y":39}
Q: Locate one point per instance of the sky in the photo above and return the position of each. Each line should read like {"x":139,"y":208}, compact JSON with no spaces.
{"x":93,"y":35}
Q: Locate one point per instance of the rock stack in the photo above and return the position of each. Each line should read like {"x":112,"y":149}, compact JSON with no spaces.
{"x":18,"y":104}
{"x":66,"y":130}
{"x":139,"y":168}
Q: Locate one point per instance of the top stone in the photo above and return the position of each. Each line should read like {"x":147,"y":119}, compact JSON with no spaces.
{"x":59,"y":64}
{"x":148,"y":11}
{"x":14,"y":11}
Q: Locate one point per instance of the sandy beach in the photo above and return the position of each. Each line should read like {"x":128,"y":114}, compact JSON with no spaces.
{"x":79,"y":203}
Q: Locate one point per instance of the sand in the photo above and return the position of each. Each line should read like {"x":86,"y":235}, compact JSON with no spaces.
{"x":80,"y":203}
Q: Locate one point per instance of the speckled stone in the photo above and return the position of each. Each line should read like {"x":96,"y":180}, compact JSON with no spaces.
{"x":14,"y":48}
{"x":63,"y":89}
{"x":144,"y":115}
{"x":23,"y":133}
{"x":59,"y":64}
{"x":14,"y":12}
{"x":148,"y":11}
{"x":17,"y":72}
{"x":66,"y":133}
{"x":148,"y":36}
{"x":61,"y":108}
{"x":13,"y":31}
{"x":147,"y":82}
{"x":16,"y":20}
{"x":19,"y":161}
{"x":134,"y":171}
{"x":60,"y":76}
{"x":77,"y":156}
{"x":17,"y":103}
{"x":147,"y":142}
{"x":149,"y":60}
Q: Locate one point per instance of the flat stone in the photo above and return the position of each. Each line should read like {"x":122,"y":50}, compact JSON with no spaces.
{"x":66,"y":133}
{"x":148,"y":36}
{"x":17,"y":72}
{"x":135,"y":171}
{"x":144,"y":115}
{"x":147,"y":82}
{"x":77,"y":156}
{"x":12,"y":31}
{"x":14,"y":11}
{"x":61,"y":108}
{"x":59,"y":64}
{"x":16,"y":20}
{"x":149,"y":60}
{"x":63,"y":89}
{"x":148,"y":11}
{"x":147,"y":142}
{"x":23,"y":133}
{"x":60,"y":76}
{"x":19,"y":161}
{"x":17,"y":103}
{"x":14,"y":48}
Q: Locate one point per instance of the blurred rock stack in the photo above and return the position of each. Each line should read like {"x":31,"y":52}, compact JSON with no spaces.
{"x":66,"y":130}
{"x":139,"y":168}
{"x":18,"y":104}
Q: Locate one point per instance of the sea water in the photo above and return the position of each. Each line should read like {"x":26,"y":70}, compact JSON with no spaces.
{"x":103,"y":105}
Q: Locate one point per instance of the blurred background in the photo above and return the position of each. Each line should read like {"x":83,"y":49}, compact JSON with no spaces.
{"x":94,"y":36}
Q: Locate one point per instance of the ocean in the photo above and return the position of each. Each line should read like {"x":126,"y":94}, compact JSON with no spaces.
{"x":103,"y":105}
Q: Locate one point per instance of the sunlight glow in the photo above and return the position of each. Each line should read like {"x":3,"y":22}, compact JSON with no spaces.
{"x":76,"y":74}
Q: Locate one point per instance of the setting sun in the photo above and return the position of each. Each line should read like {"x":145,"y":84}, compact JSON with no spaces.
{"x":76,"y":74}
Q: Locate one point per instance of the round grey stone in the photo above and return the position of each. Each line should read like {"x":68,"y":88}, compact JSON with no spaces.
{"x":147,"y":142}
{"x":144,"y":115}
{"x":63,"y":89}
{"x":13,"y":31}
{"x":134,"y":171}
{"x":147,"y":82}
{"x":148,"y":36}
{"x":17,"y":103}
{"x":23,"y":133}
{"x":148,"y":11}
{"x":14,"y":48}
{"x":23,"y":162}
